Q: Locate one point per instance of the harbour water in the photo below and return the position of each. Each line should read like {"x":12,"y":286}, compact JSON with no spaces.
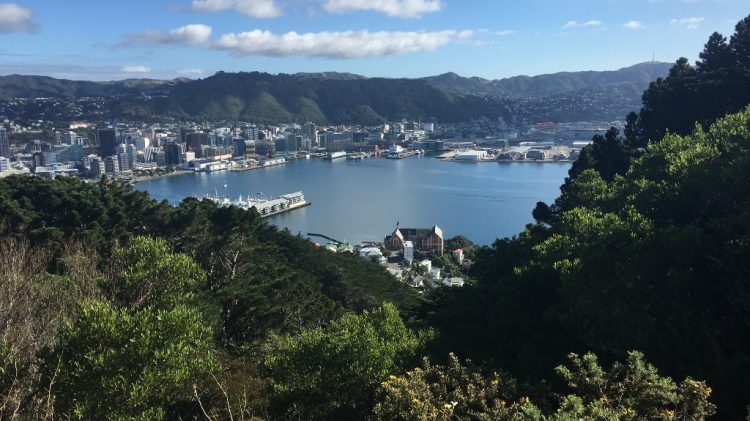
{"x":362,"y":200}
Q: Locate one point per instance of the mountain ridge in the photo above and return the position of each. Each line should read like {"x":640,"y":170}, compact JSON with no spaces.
{"x":332,"y":97}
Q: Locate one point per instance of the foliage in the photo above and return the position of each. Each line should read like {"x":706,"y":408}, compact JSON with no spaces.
{"x":715,"y":87}
{"x":116,"y":363}
{"x":333,"y":371}
{"x":452,"y":392}
{"x":655,"y":259}
{"x":629,"y":391}
{"x":148,"y":273}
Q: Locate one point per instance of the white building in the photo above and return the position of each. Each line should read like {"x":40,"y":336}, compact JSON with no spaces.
{"x":142,"y":143}
{"x":434,"y":274}
{"x":471,"y":156}
{"x":408,"y":251}
{"x":453,"y":282}
{"x":427,"y":264}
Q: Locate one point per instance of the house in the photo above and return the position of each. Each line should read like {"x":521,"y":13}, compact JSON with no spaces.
{"x":458,"y":255}
{"x":434,"y":274}
{"x":453,"y":282}
{"x":373,"y":254}
{"x":417,"y":282}
{"x":428,"y":241}
{"x":427,"y":264}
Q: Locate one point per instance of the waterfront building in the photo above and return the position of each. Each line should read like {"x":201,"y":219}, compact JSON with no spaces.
{"x":265,"y":147}
{"x":4,"y":164}
{"x":428,"y":241}
{"x":239,"y":147}
{"x":282,"y":144}
{"x":251,"y":132}
{"x":173,"y":153}
{"x":471,"y":156}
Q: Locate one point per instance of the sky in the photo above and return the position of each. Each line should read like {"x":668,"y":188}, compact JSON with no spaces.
{"x":164,"y":39}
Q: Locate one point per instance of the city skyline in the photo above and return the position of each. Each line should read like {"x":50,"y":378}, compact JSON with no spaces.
{"x":390,"y":38}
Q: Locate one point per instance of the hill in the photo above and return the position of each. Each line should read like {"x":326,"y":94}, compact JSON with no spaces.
{"x":635,"y":78}
{"x":332,"y":97}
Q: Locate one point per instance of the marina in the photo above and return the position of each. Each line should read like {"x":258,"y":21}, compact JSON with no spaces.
{"x":265,"y":207}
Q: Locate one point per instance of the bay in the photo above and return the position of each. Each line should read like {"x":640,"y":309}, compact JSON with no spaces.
{"x":356,"y":201}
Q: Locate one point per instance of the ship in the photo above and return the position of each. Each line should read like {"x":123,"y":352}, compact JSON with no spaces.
{"x":265,"y":207}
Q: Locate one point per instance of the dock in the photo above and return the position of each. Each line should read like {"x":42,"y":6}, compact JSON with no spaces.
{"x":265,"y":207}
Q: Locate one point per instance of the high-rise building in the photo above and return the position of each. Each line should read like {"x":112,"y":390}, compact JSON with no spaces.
{"x":251,"y":132}
{"x":239,"y":147}
{"x":111,"y":165}
{"x":194,"y":142}
{"x":309,"y":131}
{"x":97,"y":168}
{"x":4,"y":143}
{"x":172,"y":153}
{"x":264,"y":147}
{"x":107,"y":142}
{"x":282,"y":144}
{"x":70,"y":138}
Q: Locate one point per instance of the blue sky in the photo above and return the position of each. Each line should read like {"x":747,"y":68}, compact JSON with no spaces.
{"x":110,"y":40}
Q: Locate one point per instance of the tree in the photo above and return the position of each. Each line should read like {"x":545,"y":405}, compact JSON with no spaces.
{"x":116,"y":363}
{"x":148,"y":273}
{"x":717,"y":56}
{"x":632,"y":390}
{"x":333,"y":371}
{"x":453,"y":392}
{"x":740,"y":42}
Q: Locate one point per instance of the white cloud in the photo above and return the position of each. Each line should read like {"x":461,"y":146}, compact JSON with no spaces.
{"x":339,"y":45}
{"x":633,"y":24}
{"x":136,"y":69}
{"x":571,"y":24}
{"x":690,"y":23}
{"x":397,"y":8}
{"x":191,"y":72}
{"x":504,"y":33}
{"x":193,"y":34}
{"x":253,"y":8}
{"x":14,"y":18}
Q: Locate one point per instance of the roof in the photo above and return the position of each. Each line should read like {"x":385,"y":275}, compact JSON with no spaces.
{"x":436,"y":229}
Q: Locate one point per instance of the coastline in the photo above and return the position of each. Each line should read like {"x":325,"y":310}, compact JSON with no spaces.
{"x":141,"y":178}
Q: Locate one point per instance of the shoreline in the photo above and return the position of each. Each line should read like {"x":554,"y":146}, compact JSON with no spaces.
{"x":142,"y":178}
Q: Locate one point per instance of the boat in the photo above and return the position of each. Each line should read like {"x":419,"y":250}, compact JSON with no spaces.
{"x":264,"y":206}
{"x":335,"y":155}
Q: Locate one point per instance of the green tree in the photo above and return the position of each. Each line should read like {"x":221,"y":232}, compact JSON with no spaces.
{"x":632,"y":390}
{"x":333,"y":371}
{"x":118,"y":364}
{"x":148,"y":273}
{"x":453,"y":392}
